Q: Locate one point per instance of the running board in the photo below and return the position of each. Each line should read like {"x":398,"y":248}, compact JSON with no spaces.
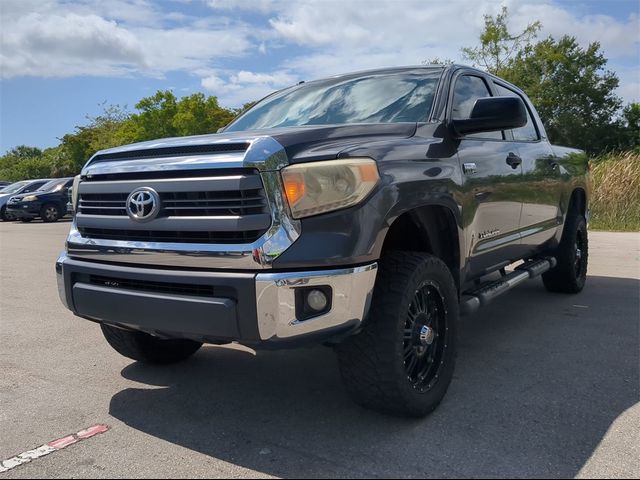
{"x":473,"y":300}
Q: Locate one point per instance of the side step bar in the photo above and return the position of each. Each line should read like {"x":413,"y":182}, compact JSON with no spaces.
{"x":473,"y":300}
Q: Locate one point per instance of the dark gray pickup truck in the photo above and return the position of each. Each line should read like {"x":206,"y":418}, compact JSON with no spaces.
{"x":365,"y":212}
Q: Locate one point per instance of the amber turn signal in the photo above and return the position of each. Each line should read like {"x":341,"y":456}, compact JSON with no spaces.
{"x":294,"y":187}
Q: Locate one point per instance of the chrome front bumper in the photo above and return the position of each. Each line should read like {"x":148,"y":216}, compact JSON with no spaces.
{"x":261,"y":312}
{"x":276,"y":305}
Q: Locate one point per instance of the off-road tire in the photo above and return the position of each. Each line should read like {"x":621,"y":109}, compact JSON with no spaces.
{"x":146,"y":348}
{"x":372,"y":363}
{"x":572,"y":254}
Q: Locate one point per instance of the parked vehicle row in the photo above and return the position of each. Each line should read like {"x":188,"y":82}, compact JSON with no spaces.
{"x":44,"y":198}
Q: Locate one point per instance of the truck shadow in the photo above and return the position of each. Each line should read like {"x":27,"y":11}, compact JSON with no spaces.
{"x":539,"y":381}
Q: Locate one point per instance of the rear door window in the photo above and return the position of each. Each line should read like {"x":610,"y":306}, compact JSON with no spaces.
{"x":529,"y":132}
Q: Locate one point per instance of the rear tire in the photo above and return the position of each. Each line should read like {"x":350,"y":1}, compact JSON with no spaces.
{"x":50,"y":213}
{"x":570,"y":275}
{"x":146,"y":348}
{"x":402,"y":361}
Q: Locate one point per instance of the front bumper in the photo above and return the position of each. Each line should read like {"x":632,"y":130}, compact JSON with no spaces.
{"x":216,"y":307}
{"x":24,"y":209}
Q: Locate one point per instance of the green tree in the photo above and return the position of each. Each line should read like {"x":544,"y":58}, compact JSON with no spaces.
{"x":572,"y":90}
{"x":163,"y":115}
{"x":99,"y":133}
{"x":631,"y":127}
{"x":197,"y":114}
{"x":497,"y":45}
{"x":23,"y":162}
{"x":570,"y":86}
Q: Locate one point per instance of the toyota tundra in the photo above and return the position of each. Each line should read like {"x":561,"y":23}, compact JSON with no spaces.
{"x":364,"y":211}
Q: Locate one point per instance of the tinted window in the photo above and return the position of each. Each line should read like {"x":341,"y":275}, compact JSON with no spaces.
{"x":468,"y":89}
{"x":13,"y":188}
{"x":528,"y":132}
{"x":55,"y":185}
{"x":33,"y":187}
{"x":369,"y":98}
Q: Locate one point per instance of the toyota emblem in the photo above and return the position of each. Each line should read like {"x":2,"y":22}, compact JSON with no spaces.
{"x":143,"y":204}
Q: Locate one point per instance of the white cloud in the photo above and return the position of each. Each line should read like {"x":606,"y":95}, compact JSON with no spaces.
{"x":352,"y":35}
{"x":245,"y":86}
{"x":119,"y":38}
{"x":629,"y":82}
{"x":617,"y":38}
{"x":50,"y":45}
{"x":144,"y":37}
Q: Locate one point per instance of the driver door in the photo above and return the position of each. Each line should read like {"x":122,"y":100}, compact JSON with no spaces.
{"x":492,"y":180}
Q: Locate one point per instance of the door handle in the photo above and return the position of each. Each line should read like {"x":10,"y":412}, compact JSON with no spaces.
{"x":514,"y":160}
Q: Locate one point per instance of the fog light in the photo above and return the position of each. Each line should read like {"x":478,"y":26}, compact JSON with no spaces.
{"x":317,"y":300}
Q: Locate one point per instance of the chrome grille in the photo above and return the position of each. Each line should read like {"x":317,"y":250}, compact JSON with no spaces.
{"x":242,"y":202}
{"x":210,"y":207}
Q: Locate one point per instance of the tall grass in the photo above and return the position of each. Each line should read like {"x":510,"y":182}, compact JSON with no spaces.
{"x":615,"y":192}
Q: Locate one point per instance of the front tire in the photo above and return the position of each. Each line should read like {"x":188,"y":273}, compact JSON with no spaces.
{"x":50,"y":213}
{"x":6,"y":217}
{"x":403,"y":360}
{"x":570,"y":275}
{"x":146,"y":348}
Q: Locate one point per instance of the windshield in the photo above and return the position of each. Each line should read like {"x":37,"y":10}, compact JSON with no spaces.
{"x":14,"y":187}
{"x":369,"y":98}
{"x":53,"y":185}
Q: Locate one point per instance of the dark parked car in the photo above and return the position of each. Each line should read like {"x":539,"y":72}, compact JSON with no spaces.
{"x":4,"y":183}
{"x":24,"y":186}
{"x":48,"y":203}
{"x":363,"y":211}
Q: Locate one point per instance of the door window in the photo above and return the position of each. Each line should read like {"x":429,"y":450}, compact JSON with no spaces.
{"x":528,"y":133}
{"x":467,"y":90}
{"x":33,"y":187}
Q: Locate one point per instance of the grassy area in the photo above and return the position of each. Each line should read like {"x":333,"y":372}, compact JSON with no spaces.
{"x":615,"y":192}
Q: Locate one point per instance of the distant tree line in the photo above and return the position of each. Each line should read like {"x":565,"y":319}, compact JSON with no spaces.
{"x":159,"y":116}
{"x":570,"y":86}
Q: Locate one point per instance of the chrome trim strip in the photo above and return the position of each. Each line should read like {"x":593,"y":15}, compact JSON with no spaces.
{"x":276,"y":306}
{"x":162,"y":185}
{"x":229,"y":223}
{"x":264,"y":154}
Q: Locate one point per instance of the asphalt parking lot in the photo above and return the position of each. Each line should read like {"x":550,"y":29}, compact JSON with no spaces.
{"x":546,"y":385}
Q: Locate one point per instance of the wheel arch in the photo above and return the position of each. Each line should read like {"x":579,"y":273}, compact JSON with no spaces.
{"x":431,"y":228}
{"x":578,"y":201}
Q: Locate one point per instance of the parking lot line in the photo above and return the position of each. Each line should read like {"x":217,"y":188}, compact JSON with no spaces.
{"x":53,"y":446}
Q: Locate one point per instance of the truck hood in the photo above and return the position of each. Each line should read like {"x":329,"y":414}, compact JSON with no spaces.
{"x":300,"y":143}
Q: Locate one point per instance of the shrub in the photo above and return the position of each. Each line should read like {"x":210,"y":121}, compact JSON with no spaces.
{"x":615,"y":192}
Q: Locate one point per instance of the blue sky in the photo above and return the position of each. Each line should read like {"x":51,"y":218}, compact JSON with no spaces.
{"x":60,"y":59}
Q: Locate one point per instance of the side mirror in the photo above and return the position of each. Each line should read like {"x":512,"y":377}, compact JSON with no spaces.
{"x":491,"y":114}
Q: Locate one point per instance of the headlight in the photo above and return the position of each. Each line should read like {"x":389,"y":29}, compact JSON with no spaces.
{"x":30,"y":198}
{"x":319,"y":187}
{"x":75,"y":193}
